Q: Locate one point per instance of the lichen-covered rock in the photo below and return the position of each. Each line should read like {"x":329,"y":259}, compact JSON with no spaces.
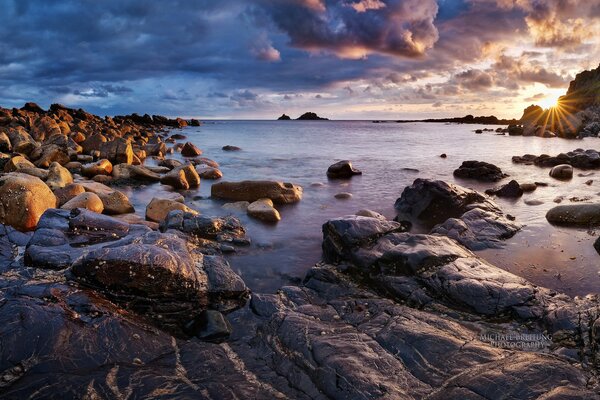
{"x":227,"y":229}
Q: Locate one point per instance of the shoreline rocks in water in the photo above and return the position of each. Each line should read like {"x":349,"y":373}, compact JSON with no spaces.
{"x":278,"y":192}
{"x":463,"y":214}
{"x":479,"y":170}
{"x":342,"y":170}
{"x":578,"y":158}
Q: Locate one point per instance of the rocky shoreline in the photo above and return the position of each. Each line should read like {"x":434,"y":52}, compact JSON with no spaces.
{"x":98,"y":303}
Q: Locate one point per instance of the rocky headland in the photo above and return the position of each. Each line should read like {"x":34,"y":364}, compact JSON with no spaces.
{"x":98,"y":303}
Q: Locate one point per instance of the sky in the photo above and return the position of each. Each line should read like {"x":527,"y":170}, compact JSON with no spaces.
{"x":257,"y":59}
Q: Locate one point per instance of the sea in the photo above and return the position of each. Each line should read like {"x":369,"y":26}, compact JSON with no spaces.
{"x":391,"y":156}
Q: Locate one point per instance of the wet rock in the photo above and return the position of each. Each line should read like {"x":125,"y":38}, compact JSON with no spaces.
{"x":100,"y":167}
{"x":511,"y":189}
{"x":443,"y":155}
{"x":158,"y":209}
{"x":579,"y":158}
{"x":183,"y":177}
{"x":479,"y":170}
{"x":263,"y":210}
{"x":169,"y":163}
{"x":575,"y":215}
{"x":343,"y":196}
{"x":342,"y":170}
{"x":210,"y":326}
{"x":134,"y":172}
{"x":23,"y":199}
{"x":241,"y":206}
{"x":190,"y":150}
{"x":206,"y":172}
{"x":58,"y":177}
{"x":231,"y":148}
{"x":370,"y":213}
{"x":463,"y":214}
{"x":533,"y":202}
{"x":114,"y":201}
{"x":562,"y":172}
{"x":212,"y":228}
{"x":278,"y":192}
{"x":431,"y":202}
{"x":89,"y":201}
{"x":528,"y":187}
{"x":478,"y":229}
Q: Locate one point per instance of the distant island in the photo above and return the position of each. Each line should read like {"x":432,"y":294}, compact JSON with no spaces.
{"x":307,"y":116}
{"x":467,"y":119}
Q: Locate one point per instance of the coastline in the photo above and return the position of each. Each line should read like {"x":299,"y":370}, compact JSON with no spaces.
{"x":357,"y":309}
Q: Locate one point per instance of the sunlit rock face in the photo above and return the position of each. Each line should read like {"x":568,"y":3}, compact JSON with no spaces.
{"x":575,"y":113}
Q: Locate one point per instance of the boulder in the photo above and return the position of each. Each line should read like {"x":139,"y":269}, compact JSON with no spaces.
{"x":206,"y":172}
{"x":183,"y":177}
{"x":511,"y":189}
{"x":117,"y":151}
{"x":93,"y":143}
{"x":21,"y":141}
{"x":342,"y":170}
{"x":5,"y":145}
{"x":16,"y":163}
{"x":158,"y":209}
{"x":584,"y":215}
{"x":52,"y":153}
{"x":23,"y":199}
{"x":479,"y":170}
{"x":190,"y":150}
{"x":58,"y":176}
{"x":135,"y":172}
{"x":225,"y":229}
{"x":100,"y":167}
{"x":343,"y":196}
{"x":210,"y":326}
{"x":278,"y":192}
{"x":68,"y":192}
{"x":263,"y":210}
{"x":114,"y":201}
{"x":89,"y":201}
{"x":562,"y":172}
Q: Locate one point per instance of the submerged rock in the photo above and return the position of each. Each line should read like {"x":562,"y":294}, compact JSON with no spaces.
{"x":263,"y":210}
{"x":228,"y":229}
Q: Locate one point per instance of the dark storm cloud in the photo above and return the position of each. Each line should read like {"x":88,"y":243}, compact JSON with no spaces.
{"x":357,"y":28}
{"x":164,"y":57}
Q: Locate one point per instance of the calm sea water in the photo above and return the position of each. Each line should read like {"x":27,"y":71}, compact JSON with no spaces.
{"x":391,"y":156}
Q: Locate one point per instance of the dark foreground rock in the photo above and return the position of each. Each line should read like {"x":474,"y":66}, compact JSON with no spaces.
{"x":511,"y":189}
{"x":480,"y":171}
{"x":451,"y":210}
{"x":161,"y":276}
{"x":388,"y":315}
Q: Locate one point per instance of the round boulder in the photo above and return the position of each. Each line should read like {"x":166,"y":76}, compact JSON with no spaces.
{"x":342,"y":170}
{"x":562,"y":172}
{"x":23,"y":199}
{"x":89,"y":201}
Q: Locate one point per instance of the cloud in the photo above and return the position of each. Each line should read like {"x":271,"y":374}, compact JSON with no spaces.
{"x":399,"y":27}
{"x":474,"y":79}
{"x":535,"y":97}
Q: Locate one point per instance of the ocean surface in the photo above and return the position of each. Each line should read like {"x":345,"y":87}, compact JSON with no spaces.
{"x":391,"y":156}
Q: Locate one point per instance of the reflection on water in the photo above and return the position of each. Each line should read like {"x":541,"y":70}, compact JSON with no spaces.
{"x":388,"y":155}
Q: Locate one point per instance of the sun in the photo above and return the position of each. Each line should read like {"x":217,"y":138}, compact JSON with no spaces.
{"x":550,"y":101}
